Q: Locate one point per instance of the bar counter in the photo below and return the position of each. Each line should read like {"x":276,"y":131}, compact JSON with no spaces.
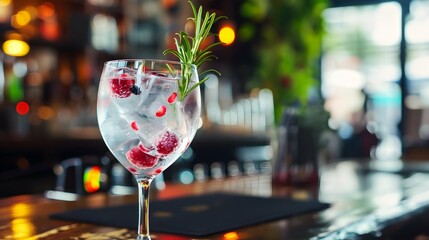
{"x":367,"y":202}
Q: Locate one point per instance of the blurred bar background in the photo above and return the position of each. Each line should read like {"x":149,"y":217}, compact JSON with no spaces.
{"x":372,"y":78}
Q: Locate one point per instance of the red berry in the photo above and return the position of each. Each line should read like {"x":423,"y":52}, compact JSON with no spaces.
{"x":172,"y":98}
{"x":158,"y":171}
{"x":131,"y":169}
{"x":140,"y":159}
{"x":161,"y":111}
{"x":167,"y":143}
{"x":134,"y":126}
{"x":145,"y":149}
{"x":121,"y":87}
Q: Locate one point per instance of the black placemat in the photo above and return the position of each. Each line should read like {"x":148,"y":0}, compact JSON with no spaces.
{"x":197,"y":215}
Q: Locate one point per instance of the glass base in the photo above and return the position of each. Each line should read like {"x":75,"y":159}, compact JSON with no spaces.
{"x":141,"y":237}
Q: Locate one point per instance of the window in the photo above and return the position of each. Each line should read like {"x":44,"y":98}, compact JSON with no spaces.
{"x":375,"y":71}
{"x":417,"y":71}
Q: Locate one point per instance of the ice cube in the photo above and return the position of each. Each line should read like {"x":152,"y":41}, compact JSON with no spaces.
{"x":145,"y":97}
{"x":153,"y":104}
{"x":125,"y":86}
{"x":117,"y":72}
{"x":170,"y":91}
{"x":121,"y":150}
{"x":157,"y":109}
{"x":149,"y":133}
{"x":115,"y":131}
{"x":147,"y":128}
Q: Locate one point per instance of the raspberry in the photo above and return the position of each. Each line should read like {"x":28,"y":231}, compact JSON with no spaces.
{"x":145,"y":149}
{"x":161,"y":111}
{"x":172,"y":98}
{"x":121,"y":87}
{"x":134,"y":126}
{"x":167,"y":143}
{"x":140,"y":159}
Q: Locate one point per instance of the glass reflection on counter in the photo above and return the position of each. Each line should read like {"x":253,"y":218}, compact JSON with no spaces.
{"x":21,"y":225}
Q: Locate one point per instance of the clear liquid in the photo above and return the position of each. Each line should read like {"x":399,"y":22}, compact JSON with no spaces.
{"x":153,"y":121}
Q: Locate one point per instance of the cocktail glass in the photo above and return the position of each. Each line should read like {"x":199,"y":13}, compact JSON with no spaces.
{"x":145,"y":119}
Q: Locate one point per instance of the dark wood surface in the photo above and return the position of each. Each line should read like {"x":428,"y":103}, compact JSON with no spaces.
{"x":374,"y":202}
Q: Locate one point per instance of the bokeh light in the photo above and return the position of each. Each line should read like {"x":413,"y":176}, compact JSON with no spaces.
{"x":23,"y":17}
{"x":227,"y":35}
{"x":91,"y":179}
{"x":21,"y":226}
{"x":46,"y":10}
{"x":22,"y":108}
{"x":45,"y":112}
{"x":50,"y":29}
{"x":16,"y":48}
{"x":231,"y":236}
{"x":5,"y":2}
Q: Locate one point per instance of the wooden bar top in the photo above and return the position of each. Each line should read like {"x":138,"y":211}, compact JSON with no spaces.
{"x":371,"y":203}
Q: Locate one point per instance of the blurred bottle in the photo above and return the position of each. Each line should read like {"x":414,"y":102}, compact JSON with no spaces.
{"x":296,"y":160}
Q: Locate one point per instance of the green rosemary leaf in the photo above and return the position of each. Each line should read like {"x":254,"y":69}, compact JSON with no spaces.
{"x":211,"y":46}
{"x":209,"y":71}
{"x":188,"y":48}
{"x":194,"y":11}
{"x":197,"y":18}
{"x":200,"y":60}
{"x":171,"y":51}
{"x":197,"y":84}
{"x":184,"y":38}
{"x":171,"y":69}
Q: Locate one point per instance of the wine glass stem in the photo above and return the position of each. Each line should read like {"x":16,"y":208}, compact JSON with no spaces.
{"x":143,"y":229}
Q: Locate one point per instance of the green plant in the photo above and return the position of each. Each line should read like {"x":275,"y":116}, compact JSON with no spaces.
{"x":288,"y":47}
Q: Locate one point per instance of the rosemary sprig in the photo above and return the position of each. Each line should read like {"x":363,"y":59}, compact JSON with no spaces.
{"x":188,"y":48}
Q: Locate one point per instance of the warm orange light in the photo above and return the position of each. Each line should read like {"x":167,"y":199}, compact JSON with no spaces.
{"x":32,"y":11}
{"x":14,"y":35}
{"x":20,"y":19}
{"x":23,"y":17}
{"x":21,"y":227}
{"x":168,"y":3}
{"x":5,"y":2}
{"x":50,"y":29}
{"x":5,"y":10}
{"x":46,"y":10}
{"x":231,"y":236}
{"x":45,"y":112}
{"x":16,"y":48}
{"x":227,"y":35}
{"x":22,"y":108}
